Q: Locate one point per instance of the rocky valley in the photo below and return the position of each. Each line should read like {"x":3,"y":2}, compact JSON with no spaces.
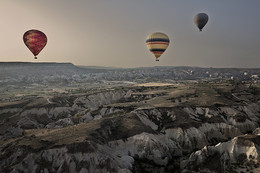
{"x":181,"y":126}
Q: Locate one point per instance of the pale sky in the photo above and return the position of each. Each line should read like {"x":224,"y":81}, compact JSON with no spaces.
{"x":113,"y":32}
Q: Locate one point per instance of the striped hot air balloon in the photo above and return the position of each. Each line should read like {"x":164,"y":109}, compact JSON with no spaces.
{"x":35,"y":41}
{"x":157,"y":43}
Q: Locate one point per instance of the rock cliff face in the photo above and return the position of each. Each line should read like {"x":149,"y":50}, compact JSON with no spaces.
{"x":134,"y":129}
{"x":94,"y":101}
{"x":242,"y":150}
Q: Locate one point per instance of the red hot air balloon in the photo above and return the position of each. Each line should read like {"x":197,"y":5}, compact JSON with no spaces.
{"x":35,"y":41}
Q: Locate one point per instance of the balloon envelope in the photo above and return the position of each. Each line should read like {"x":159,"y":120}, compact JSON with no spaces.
{"x":201,"y":20}
{"x":35,"y":41}
{"x":157,"y":43}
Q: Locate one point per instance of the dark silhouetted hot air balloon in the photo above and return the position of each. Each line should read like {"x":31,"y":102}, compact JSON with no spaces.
{"x":157,"y":43}
{"x":201,"y":20}
{"x":35,"y":41}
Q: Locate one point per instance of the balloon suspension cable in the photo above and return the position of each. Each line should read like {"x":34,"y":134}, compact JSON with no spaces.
{"x":35,"y":57}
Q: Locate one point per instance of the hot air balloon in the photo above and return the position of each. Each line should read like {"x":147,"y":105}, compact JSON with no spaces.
{"x":35,"y":41}
{"x":201,"y":20}
{"x":157,"y":43}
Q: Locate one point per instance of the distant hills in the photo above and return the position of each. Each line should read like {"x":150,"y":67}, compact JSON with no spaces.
{"x":27,"y":69}
{"x":28,"y":72}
